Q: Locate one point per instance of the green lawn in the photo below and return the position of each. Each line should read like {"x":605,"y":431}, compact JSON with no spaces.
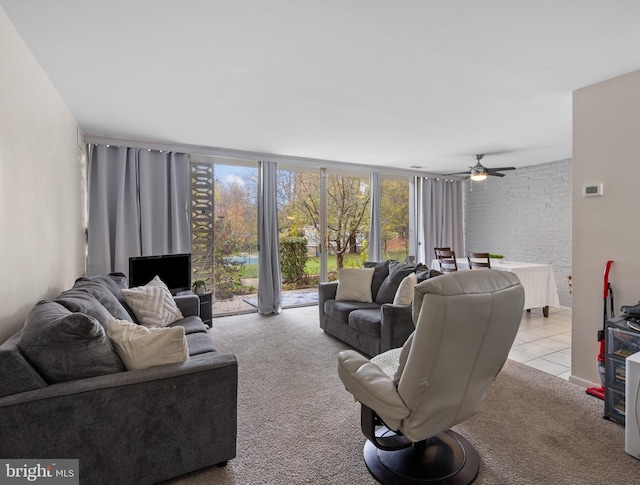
{"x":313,"y":264}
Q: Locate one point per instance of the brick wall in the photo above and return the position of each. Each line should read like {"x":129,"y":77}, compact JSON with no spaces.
{"x":526,"y":216}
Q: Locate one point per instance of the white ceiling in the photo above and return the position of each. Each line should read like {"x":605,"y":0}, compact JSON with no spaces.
{"x":377,"y":82}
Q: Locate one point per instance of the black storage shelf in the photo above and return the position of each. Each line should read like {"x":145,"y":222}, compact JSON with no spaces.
{"x":621,"y":341}
{"x":206,"y":308}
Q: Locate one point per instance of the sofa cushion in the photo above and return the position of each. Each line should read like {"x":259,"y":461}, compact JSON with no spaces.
{"x":354,"y":284}
{"x":397,"y":272}
{"x":340,"y":310}
{"x":199,"y":343}
{"x":404,"y":293}
{"x":77,"y":300}
{"x":16,"y":374}
{"x":140,"y":347}
{"x":153,"y":304}
{"x":190,"y":325}
{"x":65,"y":346}
{"x":381,"y":271}
{"x":366,"y":321}
{"x":101,"y":292}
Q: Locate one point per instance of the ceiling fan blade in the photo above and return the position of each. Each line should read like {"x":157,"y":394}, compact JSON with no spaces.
{"x":501,"y":169}
{"x":479,"y":169}
{"x":458,"y":173}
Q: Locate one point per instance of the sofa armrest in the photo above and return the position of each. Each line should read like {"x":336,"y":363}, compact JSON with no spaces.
{"x":177,"y":417}
{"x":395,"y":326}
{"x":326,"y":291}
{"x":189,"y":305}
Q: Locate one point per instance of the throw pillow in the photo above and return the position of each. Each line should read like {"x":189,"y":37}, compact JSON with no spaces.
{"x":404,"y":294}
{"x":112,"y":282}
{"x":354,"y":284}
{"x":152,"y":304}
{"x":117,"y":308}
{"x":397,"y":272}
{"x":141,"y":347}
{"x":424,"y":273}
{"x":381,"y":272}
{"x":65,"y":346}
{"x":434,"y":272}
{"x":80,"y":301}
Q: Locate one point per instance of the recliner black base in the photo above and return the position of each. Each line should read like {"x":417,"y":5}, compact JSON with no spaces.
{"x":446,"y":458}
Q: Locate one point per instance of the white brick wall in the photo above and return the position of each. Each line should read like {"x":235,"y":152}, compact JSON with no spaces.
{"x":526,"y":216}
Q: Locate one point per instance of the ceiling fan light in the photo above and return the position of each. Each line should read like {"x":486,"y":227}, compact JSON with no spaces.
{"x":478,"y":177}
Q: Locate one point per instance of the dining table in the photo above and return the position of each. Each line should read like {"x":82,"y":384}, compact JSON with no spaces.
{"x":538,"y":281}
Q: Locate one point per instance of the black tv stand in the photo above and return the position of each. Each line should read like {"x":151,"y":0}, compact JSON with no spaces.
{"x":206,"y":308}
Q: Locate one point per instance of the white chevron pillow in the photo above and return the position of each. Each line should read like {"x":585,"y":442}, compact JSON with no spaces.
{"x":153,"y":304}
{"x":140,"y":347}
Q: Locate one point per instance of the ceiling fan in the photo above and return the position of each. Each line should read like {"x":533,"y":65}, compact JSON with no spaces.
{"x":479,"y":172}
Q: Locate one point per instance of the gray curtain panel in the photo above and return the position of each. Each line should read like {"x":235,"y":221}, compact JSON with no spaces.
{"x":270,"y":284}
{"x":138,"y":206}
{"x":164,"y":202}
{"x":439,"y":216}
{"x":375,"y":228}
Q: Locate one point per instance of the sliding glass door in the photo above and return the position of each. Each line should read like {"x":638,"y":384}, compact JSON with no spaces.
{"x":299,"y":223}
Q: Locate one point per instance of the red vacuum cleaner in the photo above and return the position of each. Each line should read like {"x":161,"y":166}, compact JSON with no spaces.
{"x":607,"y":295}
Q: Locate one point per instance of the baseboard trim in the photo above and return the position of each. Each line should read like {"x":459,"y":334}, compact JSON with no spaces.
{"x":582,"y":382}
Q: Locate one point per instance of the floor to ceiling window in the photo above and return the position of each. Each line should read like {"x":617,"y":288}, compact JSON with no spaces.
{"x":394,"y":215}
{"x":348,"y":211}
{"x":323,"y":225}
{"x":299,"y":225}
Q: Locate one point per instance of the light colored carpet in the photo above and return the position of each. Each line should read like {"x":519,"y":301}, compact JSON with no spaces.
{"x":297,"y":424}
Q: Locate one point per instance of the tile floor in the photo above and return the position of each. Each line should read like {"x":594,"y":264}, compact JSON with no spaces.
{"x":545,"y":343}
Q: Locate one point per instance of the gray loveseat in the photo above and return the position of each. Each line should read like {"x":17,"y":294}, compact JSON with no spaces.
{"x":371,"y":328}
{"x":64,"y":393}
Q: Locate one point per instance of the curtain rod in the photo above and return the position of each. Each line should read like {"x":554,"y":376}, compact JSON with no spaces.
{"x":257,"y":156}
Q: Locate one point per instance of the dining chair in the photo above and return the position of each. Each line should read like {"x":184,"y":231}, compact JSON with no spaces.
{"x":447,"y":260}
{"x":435,"y":250}
{"x":478,"y":260}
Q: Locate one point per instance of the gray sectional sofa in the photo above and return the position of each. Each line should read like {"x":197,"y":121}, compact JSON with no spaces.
{"x":371,"y":328}
{"x":64,"y":393}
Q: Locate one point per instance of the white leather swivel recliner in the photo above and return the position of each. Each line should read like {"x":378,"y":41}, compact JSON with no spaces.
{"x":466,"y":323}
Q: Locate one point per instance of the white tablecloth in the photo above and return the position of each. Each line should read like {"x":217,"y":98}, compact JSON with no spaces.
{"x":538,"y":280}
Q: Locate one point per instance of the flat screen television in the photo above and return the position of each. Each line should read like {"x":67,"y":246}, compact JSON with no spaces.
{"x":173,"y":269}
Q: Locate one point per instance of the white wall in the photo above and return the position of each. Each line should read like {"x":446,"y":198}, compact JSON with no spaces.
{"x":606,"y":149}
{"x":41,"y":185}
{"x":525,"y":216}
